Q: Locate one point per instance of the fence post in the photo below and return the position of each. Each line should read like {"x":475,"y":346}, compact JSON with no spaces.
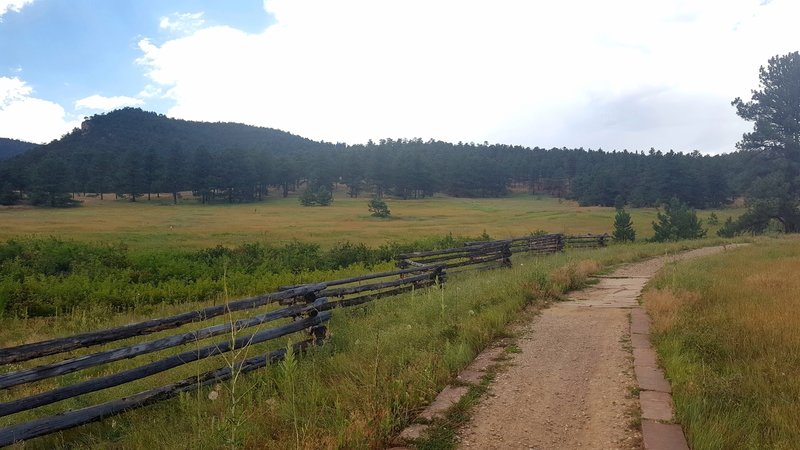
{"x":317,"y":333}
{"x":438,"y":276}
{"x":507,"y":256}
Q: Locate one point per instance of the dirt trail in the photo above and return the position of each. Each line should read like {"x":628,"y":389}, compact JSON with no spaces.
{"x":570,"y":386}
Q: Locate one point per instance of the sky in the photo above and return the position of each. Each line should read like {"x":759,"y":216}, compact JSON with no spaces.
{"x":612,"y":74}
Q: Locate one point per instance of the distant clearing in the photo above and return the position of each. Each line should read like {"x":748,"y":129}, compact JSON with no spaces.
{"x":158,"y":224}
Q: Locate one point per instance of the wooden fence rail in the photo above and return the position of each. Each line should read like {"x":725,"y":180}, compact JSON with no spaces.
{"x":480,"y":253}
{"x":71,"y":419}
{"x":307,"y":307}
{"x":586,"y":240}
{"x":60,"y":345}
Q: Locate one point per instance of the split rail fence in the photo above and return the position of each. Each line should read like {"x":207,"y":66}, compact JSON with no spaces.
{"x":489,"y":254}
{"x":294,"y":309}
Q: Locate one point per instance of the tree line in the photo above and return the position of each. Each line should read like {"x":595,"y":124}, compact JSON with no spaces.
{"x":136,"y":154}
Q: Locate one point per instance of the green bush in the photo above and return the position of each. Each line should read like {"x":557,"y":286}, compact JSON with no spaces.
{"x":728,"y":229}
{"x":319,"y":196}
{"x":378,"y":208}
{"x":676,"y":222}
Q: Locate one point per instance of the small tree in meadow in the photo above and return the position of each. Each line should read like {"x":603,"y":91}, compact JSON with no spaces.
{"x":378,"y":207}
{"x":678,"y":221}
{"x":320,"y":196}
{"x":308,"y":198}
{"x":324,"y":196}
{"x":729,"y":229}
{"x":623,"y":227}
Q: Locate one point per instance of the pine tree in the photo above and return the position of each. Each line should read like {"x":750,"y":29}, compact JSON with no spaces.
{"x":623,"y":227}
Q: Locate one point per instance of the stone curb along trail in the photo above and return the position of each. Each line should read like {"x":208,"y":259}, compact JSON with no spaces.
{"x":572,"y":384}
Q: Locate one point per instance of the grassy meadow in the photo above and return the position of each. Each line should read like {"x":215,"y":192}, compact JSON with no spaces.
{"x":727,"y":330}
{"x":114,"y":262}
{"x":159,"y":225}
{"x":384,"y":362}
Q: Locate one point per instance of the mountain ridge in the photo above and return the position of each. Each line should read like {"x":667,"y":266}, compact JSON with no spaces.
{"x":10,"y":148}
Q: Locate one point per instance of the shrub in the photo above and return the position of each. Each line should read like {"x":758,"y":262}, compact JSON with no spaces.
{"x":728,"y":229}
{"x":320,"y":196}
{"x":378,"y":207}
{"x":676,"y":222}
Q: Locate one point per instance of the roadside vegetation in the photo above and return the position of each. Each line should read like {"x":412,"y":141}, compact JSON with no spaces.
{"x":383,"y":363}
{"x":44,"y":277}
{"x":727,"y":330}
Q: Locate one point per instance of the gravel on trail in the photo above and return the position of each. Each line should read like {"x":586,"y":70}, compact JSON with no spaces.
{"x":572,"y":384}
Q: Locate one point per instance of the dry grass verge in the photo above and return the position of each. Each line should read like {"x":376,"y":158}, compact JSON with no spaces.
{"x":727,"y":329}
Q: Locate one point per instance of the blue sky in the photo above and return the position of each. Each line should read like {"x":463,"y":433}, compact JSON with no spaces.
{"x":618,"y":74}
{"x":71,"y":49}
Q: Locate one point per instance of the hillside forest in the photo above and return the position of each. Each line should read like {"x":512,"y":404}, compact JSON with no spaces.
{"x":136,"y":153}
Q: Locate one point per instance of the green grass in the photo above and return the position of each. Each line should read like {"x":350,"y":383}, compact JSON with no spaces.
{"x":189,"y":225}
{"x":383,"y":363}
{"x":727,"y":329}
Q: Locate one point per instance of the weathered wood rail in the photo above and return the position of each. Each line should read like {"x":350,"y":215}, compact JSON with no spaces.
{"x":303,"y":308}
{"x":306,"y":307}
{"x":55,"y":346}
{"x":586,"y":240}
{"x":486,"y":254}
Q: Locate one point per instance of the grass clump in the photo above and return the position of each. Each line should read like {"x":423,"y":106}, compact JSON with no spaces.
{"x":728,"y":331}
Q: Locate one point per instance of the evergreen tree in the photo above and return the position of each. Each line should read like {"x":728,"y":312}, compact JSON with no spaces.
{"x":52,"y":184}
{"x":201,"y":176}
{"x":131,"y":175}
{"x":175,"y":171}
{"x":677,"y":221}
{"x":728,"y":229}
{"x":316,"y":196}
{"x":775,"y":111}
{"x":623,"y":227}
{"x":150,"y":170}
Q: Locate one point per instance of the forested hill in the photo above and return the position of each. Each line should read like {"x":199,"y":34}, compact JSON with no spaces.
{"x":13,"y":147}
{"x":114,"y":134}
{"x":134,"y":152}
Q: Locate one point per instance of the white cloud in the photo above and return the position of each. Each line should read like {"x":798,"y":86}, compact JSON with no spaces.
{"x":27,"y":118}
{"x":183,"y":23}
{"x":12,"y":5}
{"x":100,"y":103}
{"x":515,"y":71}
{"x":150,"y":91}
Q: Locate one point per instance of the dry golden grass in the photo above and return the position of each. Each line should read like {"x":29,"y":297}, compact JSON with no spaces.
{"x":159,"y":224}
{"x":728,"y":331}
{"x":573,"y":275}
{"x":665,"y":306}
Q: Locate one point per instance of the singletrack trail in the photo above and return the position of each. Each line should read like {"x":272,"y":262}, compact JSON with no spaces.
{"x":572,"y":383}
